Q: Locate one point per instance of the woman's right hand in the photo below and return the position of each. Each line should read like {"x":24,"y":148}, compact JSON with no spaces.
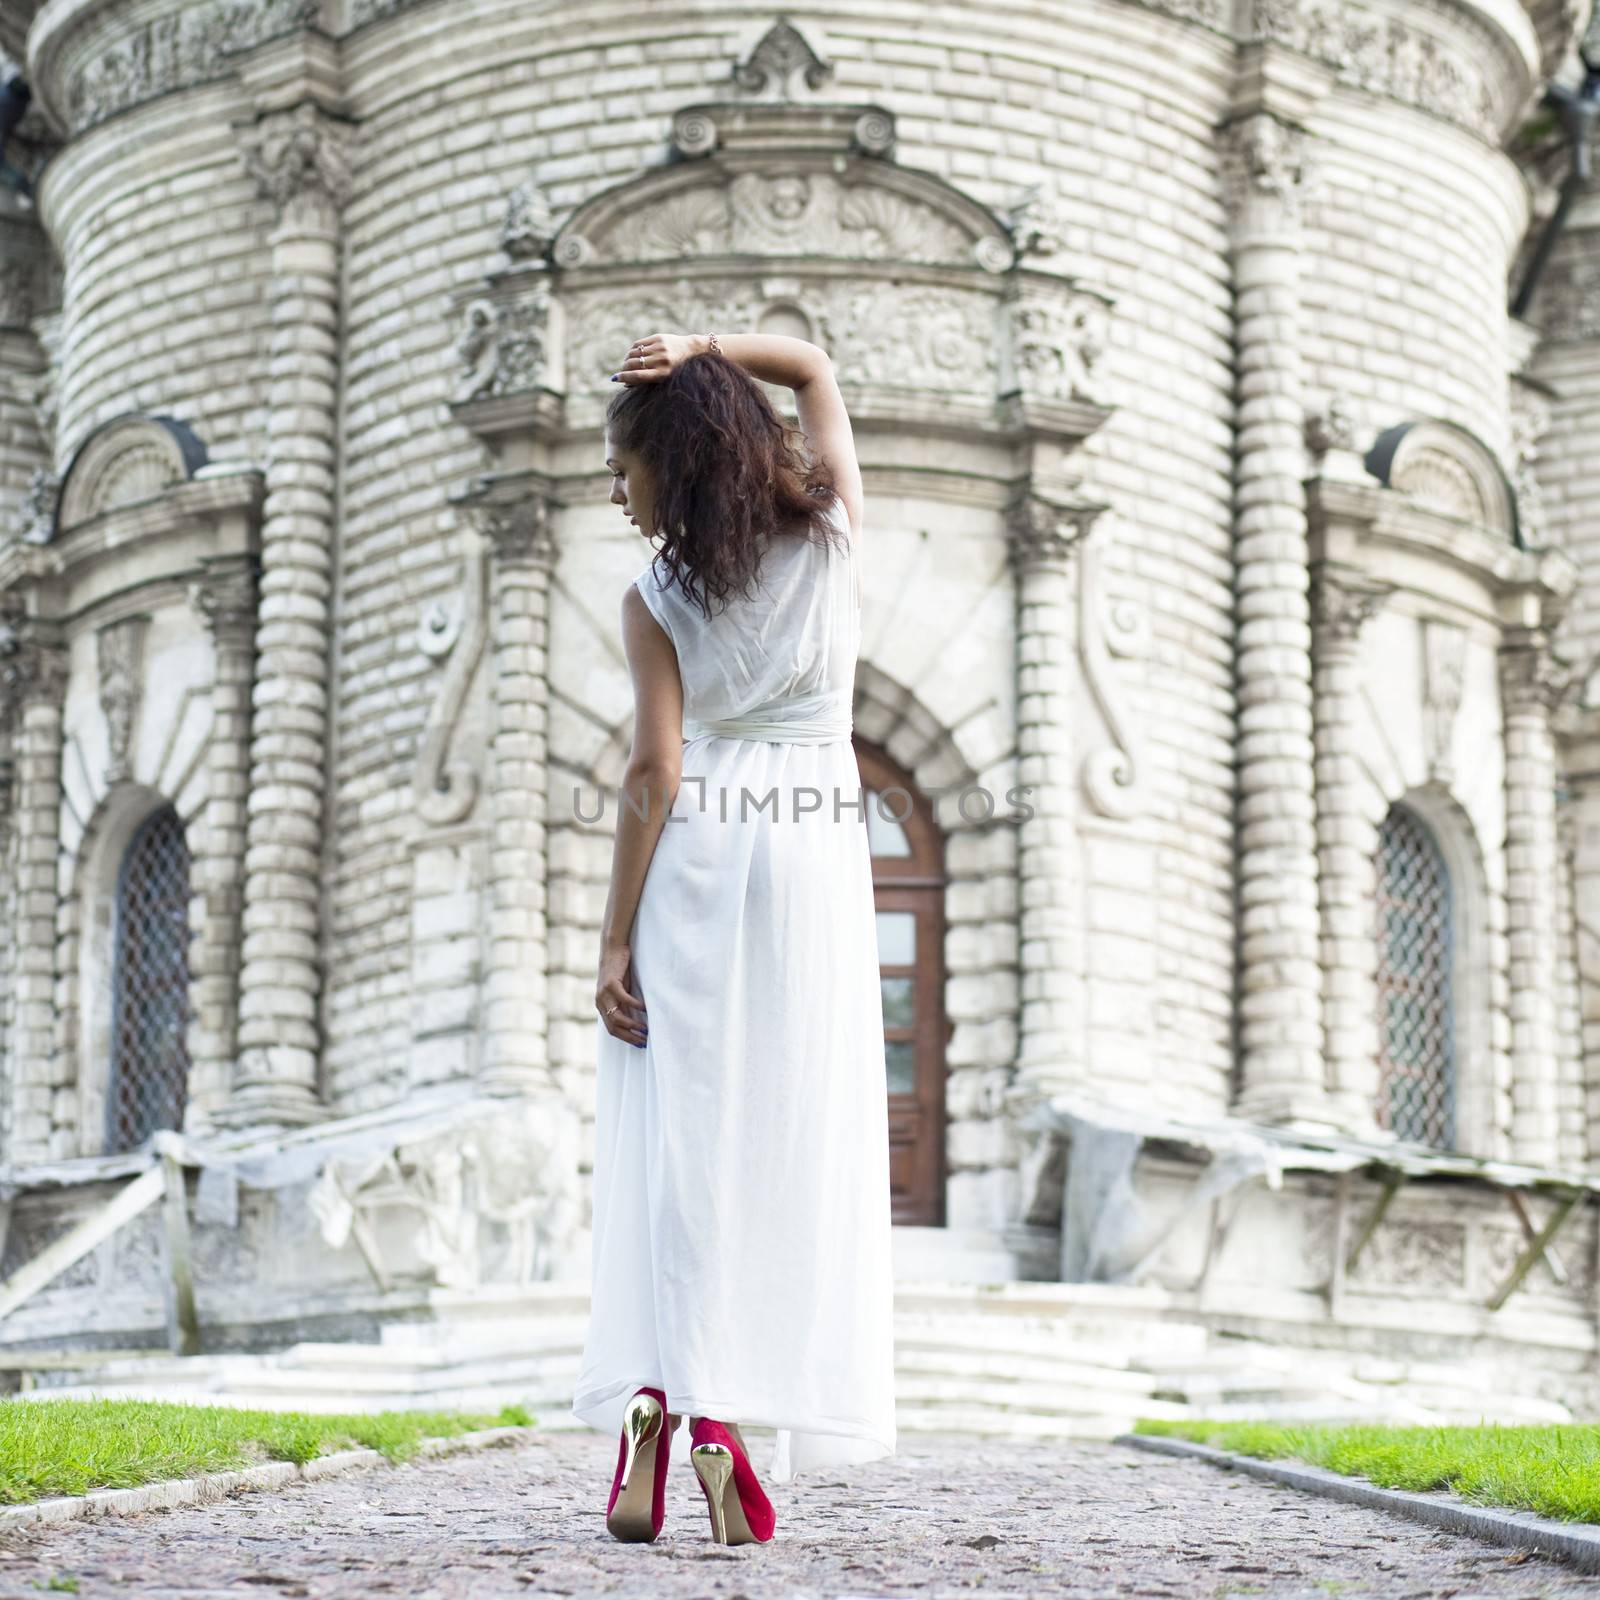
{"x":621,"y":1010}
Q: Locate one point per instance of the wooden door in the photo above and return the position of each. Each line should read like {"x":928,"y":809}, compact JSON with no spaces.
{"x":908,"y":887}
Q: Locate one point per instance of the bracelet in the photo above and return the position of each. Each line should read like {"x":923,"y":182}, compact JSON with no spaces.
{"x":716,"y":349}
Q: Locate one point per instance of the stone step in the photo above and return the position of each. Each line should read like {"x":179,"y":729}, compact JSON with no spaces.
{"x":959,"y":1364}
{"x":932,"y":1393}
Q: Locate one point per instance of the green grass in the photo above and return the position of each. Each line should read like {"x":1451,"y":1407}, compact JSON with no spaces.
{"x":64,"y":1447}
{"x":1549,"y":1468}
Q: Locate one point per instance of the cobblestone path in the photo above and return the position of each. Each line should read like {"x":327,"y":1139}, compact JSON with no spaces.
{"x":946,"y":1517}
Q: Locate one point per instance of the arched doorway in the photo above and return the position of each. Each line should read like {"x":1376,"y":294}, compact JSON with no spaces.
{"x":908,"y":888}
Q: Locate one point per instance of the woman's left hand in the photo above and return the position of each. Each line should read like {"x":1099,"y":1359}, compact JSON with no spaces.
{"x":654,"y":357}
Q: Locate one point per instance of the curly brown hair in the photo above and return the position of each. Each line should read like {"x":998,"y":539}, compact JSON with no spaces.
{"x":726,"y":469}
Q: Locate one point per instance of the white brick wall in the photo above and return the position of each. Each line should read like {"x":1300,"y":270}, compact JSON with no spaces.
{"x":1403,"y":286}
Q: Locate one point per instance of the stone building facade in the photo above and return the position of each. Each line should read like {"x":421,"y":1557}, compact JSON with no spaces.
{"x":1217,"y":503}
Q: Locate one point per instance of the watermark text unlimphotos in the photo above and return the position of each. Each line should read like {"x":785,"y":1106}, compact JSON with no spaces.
{"x":795,"y":801}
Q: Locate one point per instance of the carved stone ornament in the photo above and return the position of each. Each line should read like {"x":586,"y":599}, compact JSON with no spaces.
{"x":1333,"y":427}
{"x":445,"y":791}
{"x":125,"y":461}
{"x":513,"y":1167}
{"x":189,"y":45}
{"x":1342,"y":602}
{"x":119,"y":649}
{"x":227,"y":599}
{"x":1264,"y":161}
{"x":1445,"y":469}
{"x":1113,"y":777}
{"x":1535,"y":680}
{"x":783,"y":211}
{"x":1444,"y":655}
{"x":529,"y":226}
{"x":1530,"y":421}
{"x":928,"y":337}
{"x":519,"y":530}
{"x":1391,"y":54}
{"x":1038,"y":222}
{"x":781,"y":63}
{"x":1042,"y":531}
{"x":504,"y":347}
{"x":300,"y":161}
{"x":39,"y":504}
{"x":1055,"y":341}
{"x":33,"y":663}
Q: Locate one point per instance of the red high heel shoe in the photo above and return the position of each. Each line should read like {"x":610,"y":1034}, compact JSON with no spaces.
{"x":740,"y":1510}
{"x":639,"y":1489}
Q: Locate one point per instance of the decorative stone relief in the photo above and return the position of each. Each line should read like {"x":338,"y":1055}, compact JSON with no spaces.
{"x":780,"y":63}
{"x":1044,"y":531}
{"x":1389,"y":55}
{"x":1332,"y":427}
{"x":38,"y":518}
{"x":1342,"y":602}
{"x":1444,"y":650}
{"x":1443,"y":468}
{"x":783,"y":212}
{"x":188,"y":46}
{"x":1113,"y":777}
{"x":226,"y":600}
{"x":1262,"y":158}
{"x":529,"y":228}
{"x":119,"y":658}
{"x":125,"y":461}
{"x":33,"y":664}
{"x":1533,"y":678}
{"x":300,"y":161}
{"x":602,"y":323}
{"x":516,"y":1168}
{"x":1038,"y":223}
{"x":1530,"y":421}
{"x":505,"y":346}
{"x":926,"y":337}
{"x":445,"y":790}
{"x":1055,"y":342}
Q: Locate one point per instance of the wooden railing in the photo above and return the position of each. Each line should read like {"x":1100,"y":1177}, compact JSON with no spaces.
{"x":162,"y":1180}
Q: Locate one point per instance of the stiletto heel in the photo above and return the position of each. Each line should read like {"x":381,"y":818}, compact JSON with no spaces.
{"x":713,"y":1465}
{"x":740,"y":1510}
{"x":637,"y":1504}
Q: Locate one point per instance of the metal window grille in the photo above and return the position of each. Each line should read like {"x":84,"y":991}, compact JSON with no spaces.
{"x":1416,"y":1012}
{"x":150,"y":985}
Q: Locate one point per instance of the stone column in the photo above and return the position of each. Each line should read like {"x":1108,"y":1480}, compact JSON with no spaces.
{"x":33,"y":684}
{"x":516,"y":1056}
{"x":299,"y":162}
{"x":226,"y":598}
{"x":1042,"y":538}
{"x":1530,"y":682}
{"x":1281,"y":1037}
{"x":1346,"y":841}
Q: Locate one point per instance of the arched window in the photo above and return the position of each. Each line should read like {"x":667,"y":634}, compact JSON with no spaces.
{"x":1416,"y":1004}
{"x":908,"y":887}
{"x":150,"y":985}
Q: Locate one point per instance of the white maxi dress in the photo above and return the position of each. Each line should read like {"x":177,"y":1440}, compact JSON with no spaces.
{"x":741,"y":1254}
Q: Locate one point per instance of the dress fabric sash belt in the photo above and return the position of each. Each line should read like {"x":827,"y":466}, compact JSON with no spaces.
{"x":798,"y":719}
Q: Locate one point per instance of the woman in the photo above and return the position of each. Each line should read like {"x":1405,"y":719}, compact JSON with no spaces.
{"x":741,"y":1269}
